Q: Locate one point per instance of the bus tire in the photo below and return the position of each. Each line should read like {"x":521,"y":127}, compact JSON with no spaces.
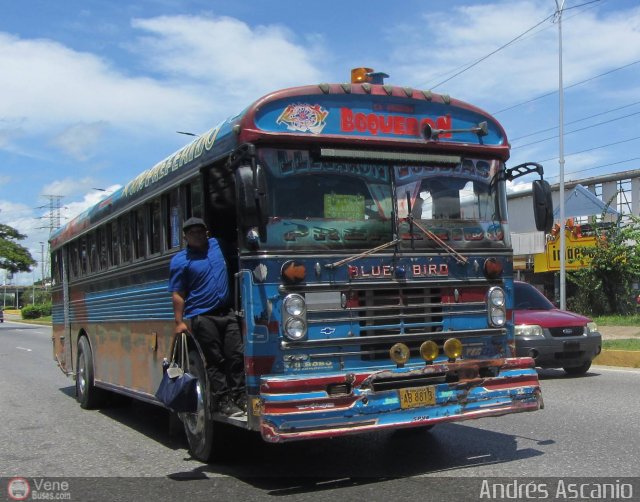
{"x":87,"y":394}
{"x":198,"y":426}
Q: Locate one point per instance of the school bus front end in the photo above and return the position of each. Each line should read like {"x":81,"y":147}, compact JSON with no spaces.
{"x":380,"y":352}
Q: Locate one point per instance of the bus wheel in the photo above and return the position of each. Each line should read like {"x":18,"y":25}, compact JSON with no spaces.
{"x":198,"y":426}
{"x":86,"y":392}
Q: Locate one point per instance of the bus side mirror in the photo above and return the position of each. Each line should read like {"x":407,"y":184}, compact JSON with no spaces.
{"x":252,"y":199}
{"x":542,"y":205}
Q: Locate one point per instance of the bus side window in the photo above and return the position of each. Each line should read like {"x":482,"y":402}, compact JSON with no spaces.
{"x":56,"y":266}
{"x":194,"y":204}
{"x":155,"y":227}
{"x":125,"y":238}
{"x":84,"y":257}
{"x":92,"y":249}
{"x":114,"y":239}
{"x":74,"y":259}
{"x":171,"y":209}
{"x":139,"y":235}
{"x":103,"y":247}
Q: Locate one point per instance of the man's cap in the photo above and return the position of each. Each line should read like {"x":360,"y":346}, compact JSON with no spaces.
{"x":193,"y":222}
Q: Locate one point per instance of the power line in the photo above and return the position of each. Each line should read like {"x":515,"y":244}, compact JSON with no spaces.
{"x":596,"y":167}
{"x":591,"y":149}
{"x":576,"y":121}
{"x":576,"y":130}
{"x":566,"y":87}
{"x":512,"y":41}
{"x":491,"y":53}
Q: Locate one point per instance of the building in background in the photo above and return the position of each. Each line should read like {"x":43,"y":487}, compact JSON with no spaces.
{"x":603,"y":198}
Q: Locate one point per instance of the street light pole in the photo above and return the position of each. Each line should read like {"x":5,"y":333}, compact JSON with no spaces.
{"x":563,"y":295}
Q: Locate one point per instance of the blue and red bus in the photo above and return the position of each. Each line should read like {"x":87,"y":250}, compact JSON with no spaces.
{"x":372,"y":265}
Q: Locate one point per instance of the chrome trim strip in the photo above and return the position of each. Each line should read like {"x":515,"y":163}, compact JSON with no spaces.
{"x":400,"y":337}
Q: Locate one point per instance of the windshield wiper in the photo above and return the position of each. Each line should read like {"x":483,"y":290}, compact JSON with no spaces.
{"x":458,"y":257}
{"x":362,"y":255}
{"x":412,"y":221}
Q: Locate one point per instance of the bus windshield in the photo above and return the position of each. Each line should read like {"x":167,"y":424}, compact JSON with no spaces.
{"x":350,"y":204}
{"x":458,"y":203}
{"x":320,"y":204}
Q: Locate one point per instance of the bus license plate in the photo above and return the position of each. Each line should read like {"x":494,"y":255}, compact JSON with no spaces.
{"x":417,"y":396}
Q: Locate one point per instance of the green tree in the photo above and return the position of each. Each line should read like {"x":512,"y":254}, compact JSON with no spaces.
{"x":605,"y":286}
{"x":14,"y":257}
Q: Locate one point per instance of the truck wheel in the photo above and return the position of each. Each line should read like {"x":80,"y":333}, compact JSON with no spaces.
{"x":198,"y":426}
{"x":87,"y":394}
{"x":578,"y":370}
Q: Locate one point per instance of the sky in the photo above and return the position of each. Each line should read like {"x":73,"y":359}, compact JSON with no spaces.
{"x":93,"y":92}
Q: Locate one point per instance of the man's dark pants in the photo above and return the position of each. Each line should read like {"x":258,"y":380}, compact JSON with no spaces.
{"x":221,"y":342}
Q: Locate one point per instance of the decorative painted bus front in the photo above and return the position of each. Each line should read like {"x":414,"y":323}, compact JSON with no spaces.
{"x":374,"y":264}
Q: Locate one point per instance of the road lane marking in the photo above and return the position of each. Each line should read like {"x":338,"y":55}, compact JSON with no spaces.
{"x":23,"y":348}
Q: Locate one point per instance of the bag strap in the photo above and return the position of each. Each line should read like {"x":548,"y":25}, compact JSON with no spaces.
{"x":184,"y":354}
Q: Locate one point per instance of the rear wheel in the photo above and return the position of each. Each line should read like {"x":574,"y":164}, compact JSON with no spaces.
{"x":198,"y":426}
{"x":87,"y":394}
{"x":578,"y":370}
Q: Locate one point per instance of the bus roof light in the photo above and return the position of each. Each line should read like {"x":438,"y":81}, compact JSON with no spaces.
{"x":367,"y":76}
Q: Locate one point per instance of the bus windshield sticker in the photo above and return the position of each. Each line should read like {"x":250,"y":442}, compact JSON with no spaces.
{"x":343,"y":207}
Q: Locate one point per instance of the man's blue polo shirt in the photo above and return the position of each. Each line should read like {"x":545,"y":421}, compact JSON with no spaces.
{"x":203,"y":276}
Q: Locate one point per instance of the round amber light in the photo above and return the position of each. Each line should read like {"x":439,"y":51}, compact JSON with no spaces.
{"x":429,"y":350}
{"x":399,"y":353}
{"x":453,"y":348}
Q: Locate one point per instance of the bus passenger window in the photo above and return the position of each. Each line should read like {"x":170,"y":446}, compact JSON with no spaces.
{"x":84,"y":257}
{"x":139,"y":234}
{"x":114,"y":238}
{"x":103,"y":247}
{"x":155,"y":221}
{"x":92,"y":247}
{"x":174,"y":231}
{"x":125,"y":238}
{"x":73,"y":258}
{"x":195,"y":204}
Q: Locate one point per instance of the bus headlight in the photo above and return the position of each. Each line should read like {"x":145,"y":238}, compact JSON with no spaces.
{"x":295,"y":328}
{"x":295,"y":305}
{"x":496,"y":307}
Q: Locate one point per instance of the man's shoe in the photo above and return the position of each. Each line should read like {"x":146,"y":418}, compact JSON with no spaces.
{"x":229,"y":408}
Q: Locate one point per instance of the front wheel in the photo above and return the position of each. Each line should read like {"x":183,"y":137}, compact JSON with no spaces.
{"x":87,"y":394}
{"x":578,"y":370}
{"x":198,"y":426}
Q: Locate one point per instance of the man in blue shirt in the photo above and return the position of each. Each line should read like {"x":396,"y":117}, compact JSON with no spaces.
{"x":199,"y":284}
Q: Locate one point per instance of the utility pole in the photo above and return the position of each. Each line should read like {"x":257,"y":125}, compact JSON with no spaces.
{"x":563,"y":293}
{"x":42,"y":261}
{"x":54,"y":222}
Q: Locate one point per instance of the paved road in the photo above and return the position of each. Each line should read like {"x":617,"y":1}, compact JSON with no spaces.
{"x":590,"y":427}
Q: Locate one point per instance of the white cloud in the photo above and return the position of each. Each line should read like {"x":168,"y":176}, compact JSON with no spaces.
{"x":90,"y":198}
{"x":79,"y":139}
{"x":593,"y":42}
{"x":227,"y":56}
{"x":198,"y":78}
{"x":51,"y":85}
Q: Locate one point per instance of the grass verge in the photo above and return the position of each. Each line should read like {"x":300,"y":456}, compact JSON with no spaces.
{"x":618,"y":320}
{"x":623,"y":344}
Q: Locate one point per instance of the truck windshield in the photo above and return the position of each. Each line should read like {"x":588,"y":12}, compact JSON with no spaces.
{"x":458,"y":203}
{"x":320,"y":204}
